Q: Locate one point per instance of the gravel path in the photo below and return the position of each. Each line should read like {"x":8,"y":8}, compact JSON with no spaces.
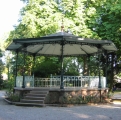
{"x":83,"y":112}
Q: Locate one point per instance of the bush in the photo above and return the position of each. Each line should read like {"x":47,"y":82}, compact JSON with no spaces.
{"x":8,"y":84}
{"x":13,"y":97}
{"x":68,"y":99}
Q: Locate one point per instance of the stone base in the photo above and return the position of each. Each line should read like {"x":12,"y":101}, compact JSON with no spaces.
{"x":76,"y":96}
{"x":70,"y":96}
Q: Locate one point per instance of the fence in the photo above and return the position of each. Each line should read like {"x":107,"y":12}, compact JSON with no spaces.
{"x":28,"y":82}
{"x":68,"y":81}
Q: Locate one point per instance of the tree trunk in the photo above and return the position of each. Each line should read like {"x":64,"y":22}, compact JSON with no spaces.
{"x":86,"y":69}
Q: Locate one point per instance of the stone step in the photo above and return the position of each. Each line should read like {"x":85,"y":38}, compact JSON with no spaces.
{"x":29,"y":104}
{"x":39,"y":92}
{"x":32,"y":101}
{"x":36,"y":95}
{"x":34,"y":98}
{"x":40,"y":89}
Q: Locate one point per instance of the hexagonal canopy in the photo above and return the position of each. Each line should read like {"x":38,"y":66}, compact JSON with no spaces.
{"x":51,"y":45}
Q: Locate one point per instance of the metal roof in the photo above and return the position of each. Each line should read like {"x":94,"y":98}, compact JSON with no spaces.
{"x":54,"y":44}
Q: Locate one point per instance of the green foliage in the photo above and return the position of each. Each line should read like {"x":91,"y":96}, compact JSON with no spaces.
{"x":51,"y":65}
{"x":68,"y":99}
{"x":10,"y":95}
{"x":9,"y":84}
{"x":1,"y":69}
{"x":13,"y":97}
{"x":37,"y":21}
{"x":75,"y":98}
{"x":72,"y":66}
{"x":109,"y":95}
{"x":97,"y":19}
{"x":0,"y":53}
{"x":1,"y":83}
{"x":46,"y":67}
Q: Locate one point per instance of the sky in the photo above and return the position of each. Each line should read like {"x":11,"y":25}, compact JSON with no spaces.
{"x":9,"y":14}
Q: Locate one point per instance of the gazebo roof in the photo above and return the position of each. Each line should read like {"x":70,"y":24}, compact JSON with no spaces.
{"x":51,"y":45}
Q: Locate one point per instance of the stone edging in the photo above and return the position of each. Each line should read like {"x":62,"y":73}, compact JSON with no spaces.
{"x":59,"y":105}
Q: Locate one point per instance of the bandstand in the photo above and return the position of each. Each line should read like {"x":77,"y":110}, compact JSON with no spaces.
{"x":61,"y":45}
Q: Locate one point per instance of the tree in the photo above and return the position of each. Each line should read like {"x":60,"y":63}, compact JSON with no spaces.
{"x":37,"y":21}
{"x":45,"y":66}
{"x":1,"y":69}
{"x":108,"y":27}
{"x":86,"y":18}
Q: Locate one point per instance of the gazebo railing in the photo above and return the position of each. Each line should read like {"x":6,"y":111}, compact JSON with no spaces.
{"x":70,"y":81}
{"x":54,"y":81}
{"x":28,"y":82}
{"x":42,"y":82}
